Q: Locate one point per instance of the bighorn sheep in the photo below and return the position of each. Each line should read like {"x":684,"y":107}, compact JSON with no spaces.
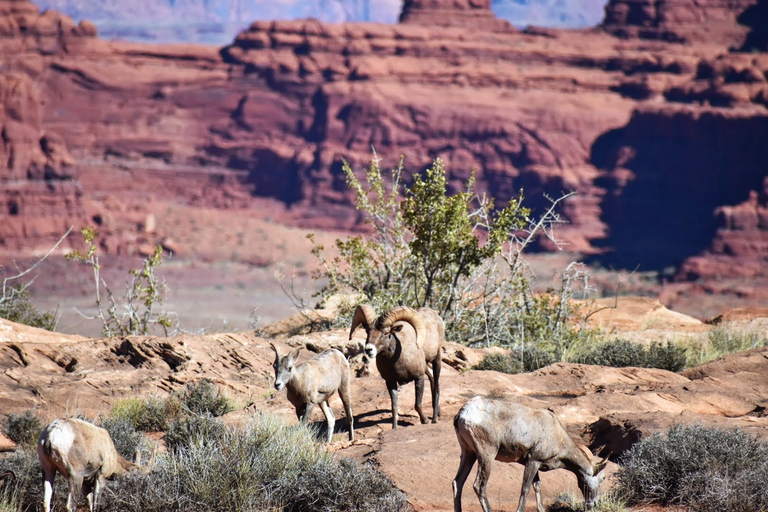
{"x":407,"y":344}
{"x":511,"y":432}
{"x":314,"y":382}
{"x":84,"y":454}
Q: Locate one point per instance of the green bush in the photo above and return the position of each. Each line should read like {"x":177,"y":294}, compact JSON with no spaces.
{"x":528,"y":359}
{"x":704,"y":469}
{"x":17,"y":306}
{"x":623,"y":353}
{"x":23,"y":429}
{"x":267,"y":465}
{"x":152,"y":414}
{"x":454,"y":252}
{"x":204,"y":397}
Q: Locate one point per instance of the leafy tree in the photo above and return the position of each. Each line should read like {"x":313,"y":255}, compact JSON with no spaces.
{"x":456,"y":253}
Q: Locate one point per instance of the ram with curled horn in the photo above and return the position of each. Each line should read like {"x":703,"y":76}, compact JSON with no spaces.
{"x":408,"y":345}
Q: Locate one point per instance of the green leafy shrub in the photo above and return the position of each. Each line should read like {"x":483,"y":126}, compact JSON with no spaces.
{"x":530,"y":358}
{"x":453,"y":252}
{"x":23,"y":429}
{"x":704,"y":469}
{"x":147,"y":414}
{"x":623,"y":353}
{"x":267,"y":465}
{"x":17,"y":306}
{"x":204,"y":397}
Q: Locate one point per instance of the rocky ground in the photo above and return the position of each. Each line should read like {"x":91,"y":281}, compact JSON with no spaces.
{"x":61,"y":374}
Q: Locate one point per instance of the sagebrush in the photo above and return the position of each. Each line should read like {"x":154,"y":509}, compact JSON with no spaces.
{"x":705,"y":469}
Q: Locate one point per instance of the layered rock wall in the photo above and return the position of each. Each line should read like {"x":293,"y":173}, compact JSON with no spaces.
{"x":471,"y":14}
{"x":712,"y":21}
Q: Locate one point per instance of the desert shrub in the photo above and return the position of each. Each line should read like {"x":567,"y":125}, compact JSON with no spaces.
{"x":721,"y":341}
{"x":136,"y":312}
{"x":23,"y":429}
{"x":17,"y":307}
{"x":453,"y":252}
{"x":704,"y":469}
{"x":529,"y":358}
{"x":569,"y":502}
{"x":126,"y":438}
{"x":623,"y":353}
{"x":189,"y":430}
{"x":25,"y":492}
{"x":267,"y":465}
{"x":147,"y":414}
{"x":204,"y":397}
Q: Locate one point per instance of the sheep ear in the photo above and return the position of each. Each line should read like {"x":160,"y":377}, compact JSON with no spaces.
{"x":397,"y":328}
{"x":294,"y":353}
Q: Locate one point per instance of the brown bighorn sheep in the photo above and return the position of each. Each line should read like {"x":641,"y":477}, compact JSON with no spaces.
{"x":407,"y":344}
{"x":314,"y":382}
{"x":512,"y":432}
{"x":84,"y":454}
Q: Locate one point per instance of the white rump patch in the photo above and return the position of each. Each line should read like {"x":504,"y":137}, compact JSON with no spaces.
{"x":474,"y":411}
{"x":62,"y":437}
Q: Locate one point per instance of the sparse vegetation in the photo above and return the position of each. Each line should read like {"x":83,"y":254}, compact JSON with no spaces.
{"x":704,"y":469}
{"x":622,"y":353}
{"x":126,"y":438}
{"x":23,"y":429}
{"x":188,"y":431}
{"x":135,"y":312}
{"x":456,"y":253}
{"x":571,"y":503}
{"x":529,"y":358}
{"x":18,"y":307}
{"x":721,"y":341}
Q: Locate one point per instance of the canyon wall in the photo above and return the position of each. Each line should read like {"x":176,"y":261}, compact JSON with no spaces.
{"x":637,"y":128}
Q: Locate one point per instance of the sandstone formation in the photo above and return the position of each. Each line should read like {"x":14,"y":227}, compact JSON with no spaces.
{"x":469,"y":14}
{"x":678,"y":20}
{"x":634,"y":127}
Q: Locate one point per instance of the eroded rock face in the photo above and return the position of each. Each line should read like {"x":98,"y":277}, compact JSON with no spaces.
{"x":472,"y":14}
{"x":678,"y":20}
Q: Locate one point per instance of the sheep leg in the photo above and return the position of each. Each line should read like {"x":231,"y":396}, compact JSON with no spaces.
{"x":392,"y":387}
{"x":434,"y":385}
{"x":48,"y":488}
{"x":330,"y":420}
{"x":481,"y":481}
{"x":468,"y":459}
{"x":304,"y":412}
{"x":345,"y":399}
{"x":537,"y":490}
{"x":75,"y":484}
{"x":419,"y":383}
{"x":529,"y":475}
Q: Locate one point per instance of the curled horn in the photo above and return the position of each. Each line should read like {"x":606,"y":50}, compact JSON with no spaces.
{"x":401,"y":313}
{"x":365,"y":315}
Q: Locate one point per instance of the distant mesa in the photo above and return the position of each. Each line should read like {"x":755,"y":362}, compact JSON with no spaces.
{"x":474,"y":14}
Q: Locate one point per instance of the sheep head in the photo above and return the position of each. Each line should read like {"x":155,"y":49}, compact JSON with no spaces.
{"x":381,"y":339}
{"x":590,"y":484}
{"x":365,"y":316}
{"x":284,"y":366}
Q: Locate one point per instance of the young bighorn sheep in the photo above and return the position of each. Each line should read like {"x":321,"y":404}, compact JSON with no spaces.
{"x":84,"y":454}
{"x":407,"y":344}
{"x":314,"y":382}
{"x":512,"y":432}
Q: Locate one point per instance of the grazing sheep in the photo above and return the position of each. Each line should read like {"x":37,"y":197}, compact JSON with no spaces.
{"x":511,"y":432}
{"x":407,"y":344}
{"x":314,"y":382}
{"x":84,"y":454}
